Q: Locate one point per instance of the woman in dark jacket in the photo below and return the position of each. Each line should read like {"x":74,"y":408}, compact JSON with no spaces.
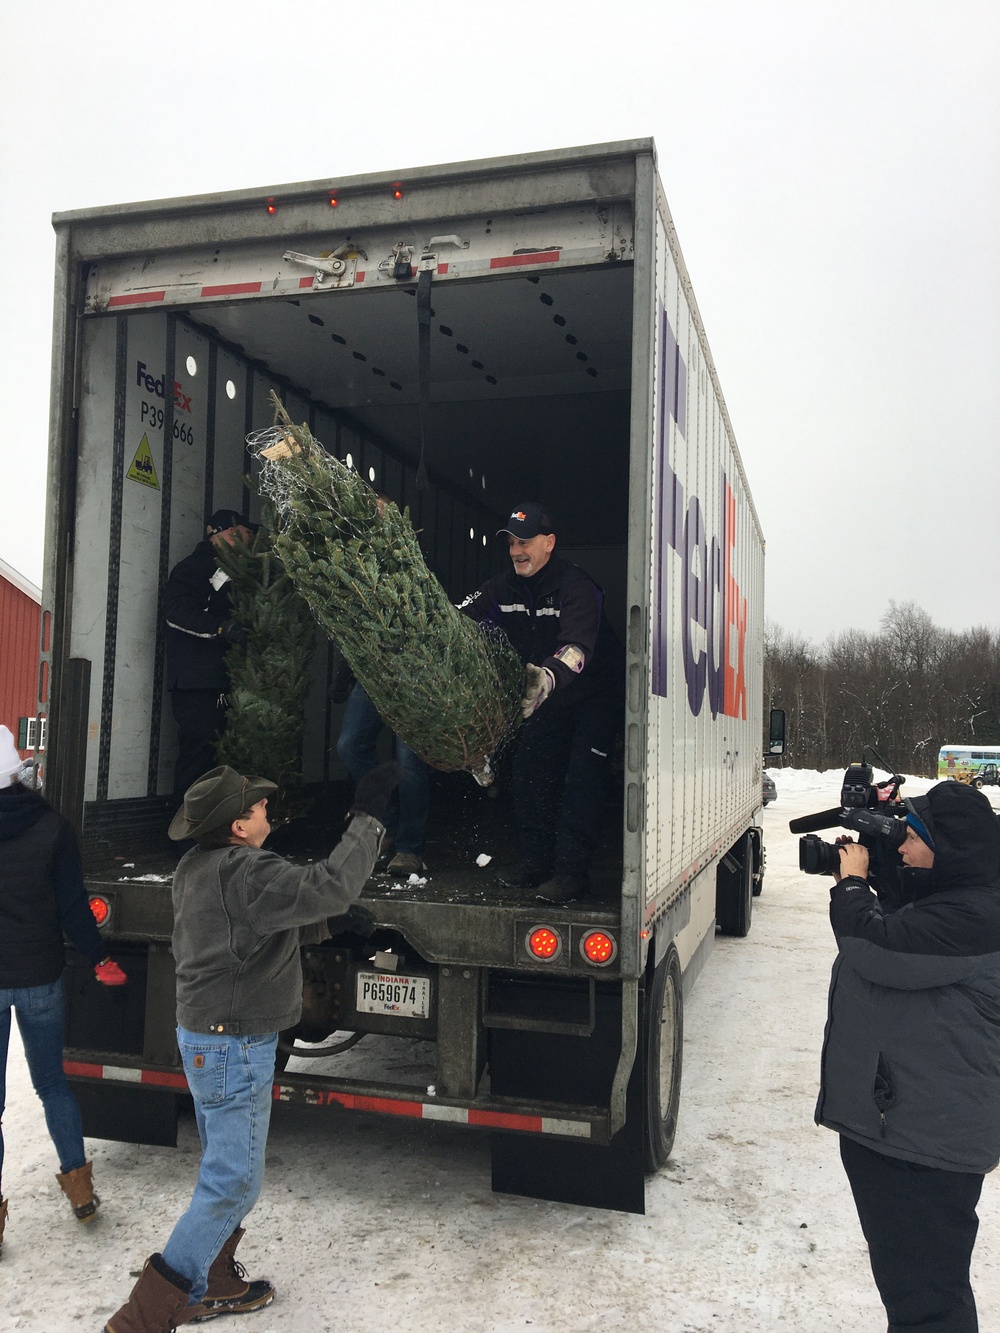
{"x":911,"y":1055}
{"x":42,"y":898}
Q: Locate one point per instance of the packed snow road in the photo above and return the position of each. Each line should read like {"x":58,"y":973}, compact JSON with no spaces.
{"x":371,"y":1225}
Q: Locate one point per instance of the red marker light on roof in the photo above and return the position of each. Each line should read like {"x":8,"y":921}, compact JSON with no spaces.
{"x":100,"y":908}
{"x":333,"y":201}
{"x":544,"y":943}
{"x":397,"y":192}
{"x":598,"y":948}
{"x":272,"y":207}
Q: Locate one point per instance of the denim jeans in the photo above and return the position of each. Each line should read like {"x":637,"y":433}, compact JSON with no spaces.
{"x":406,"y":818}
{"x":40,"y":1021}
{"x":230,"y":1080}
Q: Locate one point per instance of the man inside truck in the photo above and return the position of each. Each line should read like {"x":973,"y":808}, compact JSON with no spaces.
{"x":200,"y":628}
{"x":553,"y":614}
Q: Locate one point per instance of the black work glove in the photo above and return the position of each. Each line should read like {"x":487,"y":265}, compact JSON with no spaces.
{"x":357,"y":920}
{"x":374,"y":789}
{"x":233,"y":631}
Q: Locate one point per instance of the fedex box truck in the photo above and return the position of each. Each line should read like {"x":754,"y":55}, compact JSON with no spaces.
{"x":532,"y":320}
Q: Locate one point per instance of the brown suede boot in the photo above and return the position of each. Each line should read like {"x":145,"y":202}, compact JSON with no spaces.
{"x":156,"y":1303}
{"x":78,"y":1186}
{"x":228,"y":1290}
{"x":3,"y":1220}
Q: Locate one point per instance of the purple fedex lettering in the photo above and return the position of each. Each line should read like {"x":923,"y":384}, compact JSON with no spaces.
{"x":713,"y":608}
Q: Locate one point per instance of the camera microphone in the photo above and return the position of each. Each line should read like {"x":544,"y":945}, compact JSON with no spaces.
{"x":813,"y":823}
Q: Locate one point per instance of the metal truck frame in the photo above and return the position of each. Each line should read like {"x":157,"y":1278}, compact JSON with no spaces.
{"x":566,"y":359}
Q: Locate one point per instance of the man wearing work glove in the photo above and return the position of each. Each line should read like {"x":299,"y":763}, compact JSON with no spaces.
{"x":238,"y":911}
{"x":200,"y":628}
{"x":553,"y":614}
{"x":42,"y":898}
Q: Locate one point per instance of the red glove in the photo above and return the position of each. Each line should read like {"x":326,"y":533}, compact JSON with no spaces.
{"x":109,"y":973}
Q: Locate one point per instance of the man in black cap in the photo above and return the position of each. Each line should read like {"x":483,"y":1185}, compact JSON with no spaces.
{"x":911,"y":1055}
{"x":553,"y":614}
{"x":200,"y":627}
{"x":238,"y":911}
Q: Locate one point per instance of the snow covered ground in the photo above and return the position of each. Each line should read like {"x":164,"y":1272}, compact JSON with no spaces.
{"x":367,"y":1224}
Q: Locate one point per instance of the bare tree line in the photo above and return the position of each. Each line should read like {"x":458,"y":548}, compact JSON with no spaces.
{"x":906,"y":690}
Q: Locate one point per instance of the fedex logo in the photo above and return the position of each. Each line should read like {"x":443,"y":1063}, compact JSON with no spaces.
{"x":713,"y":607}
{"x":152,"y":385}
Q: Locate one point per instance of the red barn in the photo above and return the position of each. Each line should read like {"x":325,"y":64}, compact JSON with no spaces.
{"x":20,"y":616}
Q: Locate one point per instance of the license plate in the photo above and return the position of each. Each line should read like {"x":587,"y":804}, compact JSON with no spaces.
{"x":386,"y":993}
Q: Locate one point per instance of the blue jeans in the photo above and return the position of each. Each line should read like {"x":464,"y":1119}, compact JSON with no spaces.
{"x":406,"y":818}
{"x":230,"y":1080}
{"x":40,"y":1021}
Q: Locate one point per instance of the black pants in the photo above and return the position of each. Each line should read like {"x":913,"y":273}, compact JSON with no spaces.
{"x":920,"y":1224}
{"x":560,"y":776}
{"x":201,"y":717}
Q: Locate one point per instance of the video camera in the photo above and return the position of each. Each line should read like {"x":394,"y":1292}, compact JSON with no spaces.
{"x":872,"y":810}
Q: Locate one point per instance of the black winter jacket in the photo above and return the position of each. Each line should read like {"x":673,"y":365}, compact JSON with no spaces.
{"x":196,"y":602}
{"x":911,"y":1055}
{"x":558,"y":606}
{"x":42,"y":896}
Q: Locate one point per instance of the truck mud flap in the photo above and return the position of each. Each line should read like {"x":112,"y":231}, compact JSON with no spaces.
{"x":127,"y":1115}
{"x":575,"y":1070}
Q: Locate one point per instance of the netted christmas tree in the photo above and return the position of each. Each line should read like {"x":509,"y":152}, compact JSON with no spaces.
{"x":447,"y":686}
{"x":269,"y":674}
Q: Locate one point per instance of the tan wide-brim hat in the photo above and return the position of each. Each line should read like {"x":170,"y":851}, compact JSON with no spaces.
{"x":218,"y":797}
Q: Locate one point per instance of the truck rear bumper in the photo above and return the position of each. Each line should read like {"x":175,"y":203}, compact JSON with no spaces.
{"x":588,"y":1124}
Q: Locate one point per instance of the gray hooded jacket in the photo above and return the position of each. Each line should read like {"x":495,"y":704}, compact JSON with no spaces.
{"x":237,"y":913}
{"x":911,"y":1054}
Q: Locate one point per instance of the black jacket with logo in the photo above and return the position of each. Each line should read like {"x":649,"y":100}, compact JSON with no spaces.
{"x":42,"y":895}
{"x":196,"y":603}
{"x":558,"y":606}
{"x":911,"y":1054}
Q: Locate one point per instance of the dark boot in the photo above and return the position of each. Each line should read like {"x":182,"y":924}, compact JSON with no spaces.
{"x":78,"y":1186}
{"x":525,"y":875}
{"x":157,"y":1301}
{"x":563,"y":889}
{"x":228,"y":1290}
{"x":3,"y":1220}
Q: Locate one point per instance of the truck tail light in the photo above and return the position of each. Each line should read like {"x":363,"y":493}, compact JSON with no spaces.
{"x":599,"y":948}
{"x":100,"y":907}
{"x":545,"y":943}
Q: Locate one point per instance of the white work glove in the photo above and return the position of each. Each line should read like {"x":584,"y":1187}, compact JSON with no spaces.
{"x":539,"y":682}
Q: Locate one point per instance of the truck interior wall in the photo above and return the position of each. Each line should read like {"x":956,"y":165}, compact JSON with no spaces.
{"x":567,"y":448}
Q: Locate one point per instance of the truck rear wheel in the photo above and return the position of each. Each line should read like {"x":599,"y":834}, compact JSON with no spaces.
{"x":734,"y":889}
{"x":663,"y":1021}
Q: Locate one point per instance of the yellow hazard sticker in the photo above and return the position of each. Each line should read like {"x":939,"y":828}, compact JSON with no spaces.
{"x":142,"y":469}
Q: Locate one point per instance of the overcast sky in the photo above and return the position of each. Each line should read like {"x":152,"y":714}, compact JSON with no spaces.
{"x":833,"y":171}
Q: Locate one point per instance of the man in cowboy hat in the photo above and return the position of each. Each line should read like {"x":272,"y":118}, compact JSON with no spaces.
{"x":237,"y":915}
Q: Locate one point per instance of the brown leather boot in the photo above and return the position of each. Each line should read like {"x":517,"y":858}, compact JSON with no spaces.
{"x":156,"y":1303}
{"x":3,"y":1220}
{"x":228,"y":1290}
{"x":78,"y":1186}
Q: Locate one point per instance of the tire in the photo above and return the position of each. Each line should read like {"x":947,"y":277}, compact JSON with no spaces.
{"x":734,"y":889}
{"x":663,"y":1037}
{"x":978,"y":784}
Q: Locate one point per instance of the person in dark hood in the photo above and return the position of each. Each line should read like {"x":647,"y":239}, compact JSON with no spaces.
{"x":200,"y":628}
{"x":911,"y":1054}
{"x":42,"y":898}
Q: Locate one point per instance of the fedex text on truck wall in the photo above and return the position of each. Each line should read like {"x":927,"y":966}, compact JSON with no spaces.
{"x":713,"y":607}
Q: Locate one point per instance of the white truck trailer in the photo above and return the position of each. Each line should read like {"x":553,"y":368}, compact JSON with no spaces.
{"x":563,"y":358}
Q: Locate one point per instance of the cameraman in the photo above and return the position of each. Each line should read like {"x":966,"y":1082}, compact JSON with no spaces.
{"x":911,"y":1055}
